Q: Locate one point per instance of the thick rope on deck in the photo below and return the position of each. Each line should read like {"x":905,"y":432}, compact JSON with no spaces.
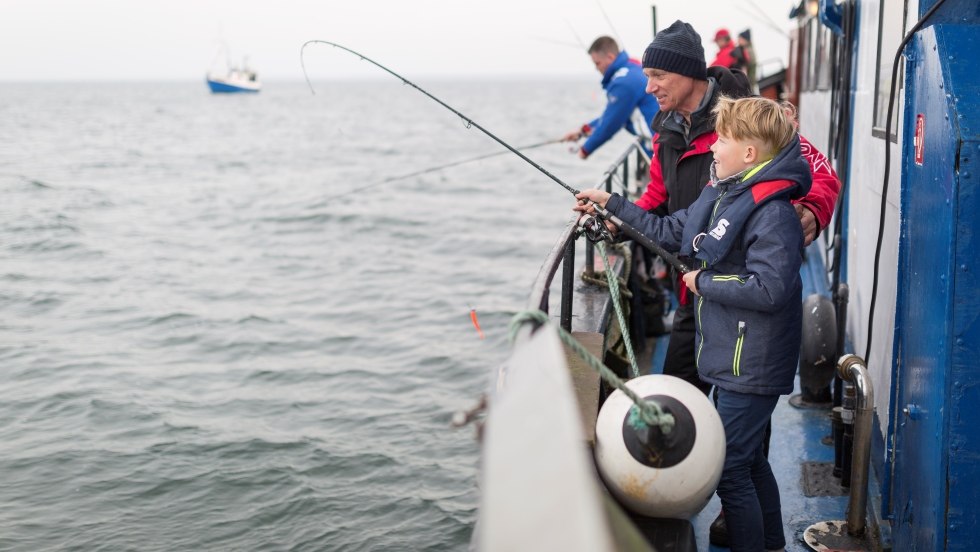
{"x":604,"y":282}
{"x":613,"y":281}
{"x":647,"y":412}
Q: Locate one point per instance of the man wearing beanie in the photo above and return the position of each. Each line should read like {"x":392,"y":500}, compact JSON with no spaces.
{"x":625,"y":86}
{"x":680,"y":168}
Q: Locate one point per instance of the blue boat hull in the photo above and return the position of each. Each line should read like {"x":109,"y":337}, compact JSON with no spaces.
{"x":221,"y":87}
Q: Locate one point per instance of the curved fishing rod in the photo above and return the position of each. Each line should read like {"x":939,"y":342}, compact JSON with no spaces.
{"x":469,"y":122}
{"x":628,"y":230}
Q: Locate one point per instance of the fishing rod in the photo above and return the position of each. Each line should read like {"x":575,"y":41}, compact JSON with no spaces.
{"x":575,"y":34}
{"x":595,"y":229}
{"x":445,"y":166}
{"x":610,"y":23}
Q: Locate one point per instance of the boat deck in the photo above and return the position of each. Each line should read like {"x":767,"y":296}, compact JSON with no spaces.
{"x":797,"y":439}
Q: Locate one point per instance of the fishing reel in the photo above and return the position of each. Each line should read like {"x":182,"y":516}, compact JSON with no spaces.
{"x":594,"y":228}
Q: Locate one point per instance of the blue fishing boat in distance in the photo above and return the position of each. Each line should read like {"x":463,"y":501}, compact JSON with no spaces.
{"x":235,"y":81}
{"x":226,"y":77}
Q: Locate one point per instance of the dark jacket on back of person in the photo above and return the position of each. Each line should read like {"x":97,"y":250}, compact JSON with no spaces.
{"x":749,"y":312}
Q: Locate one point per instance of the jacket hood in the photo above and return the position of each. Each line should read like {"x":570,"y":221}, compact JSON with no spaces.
{"x":731,"y":82}
{"x":788,"y":165}
{"x":621,"y":60}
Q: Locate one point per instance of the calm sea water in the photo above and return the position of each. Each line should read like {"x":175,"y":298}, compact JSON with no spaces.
{"x":219,"y":331}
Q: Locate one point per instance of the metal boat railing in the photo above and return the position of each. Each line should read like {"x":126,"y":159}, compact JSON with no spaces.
{"x":563,"y":252}
{"x":533,"y":461}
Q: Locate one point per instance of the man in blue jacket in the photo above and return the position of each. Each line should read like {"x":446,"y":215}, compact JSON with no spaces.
{"x":625,"y":86}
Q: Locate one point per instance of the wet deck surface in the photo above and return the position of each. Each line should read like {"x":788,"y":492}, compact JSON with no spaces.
{"x":796,"y":439}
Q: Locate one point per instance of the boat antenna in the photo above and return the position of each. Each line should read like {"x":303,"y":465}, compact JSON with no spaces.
{"x":596,"y":231}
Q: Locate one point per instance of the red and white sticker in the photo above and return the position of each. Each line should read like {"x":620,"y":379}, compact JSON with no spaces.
{"x":920,"y":138}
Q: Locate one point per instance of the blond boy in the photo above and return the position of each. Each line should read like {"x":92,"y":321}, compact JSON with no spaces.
{"x":744,"y":237}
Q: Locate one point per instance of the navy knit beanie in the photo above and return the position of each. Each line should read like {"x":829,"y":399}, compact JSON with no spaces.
{"x":677,"y":49}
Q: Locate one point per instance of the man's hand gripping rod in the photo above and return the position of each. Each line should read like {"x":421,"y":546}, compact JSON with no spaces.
{"x":595,"y":229}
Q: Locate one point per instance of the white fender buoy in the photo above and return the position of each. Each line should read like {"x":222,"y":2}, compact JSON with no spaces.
{"x":657,"y":475}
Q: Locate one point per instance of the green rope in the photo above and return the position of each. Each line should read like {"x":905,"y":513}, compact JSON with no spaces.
{"x":649,"y":412}
{"x":602,"y":281}
{"x":614,"y":292}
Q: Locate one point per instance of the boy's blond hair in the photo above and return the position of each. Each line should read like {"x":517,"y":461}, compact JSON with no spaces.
{"x":761,"y":119}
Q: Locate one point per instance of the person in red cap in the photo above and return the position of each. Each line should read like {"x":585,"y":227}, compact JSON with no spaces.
{"x":725,"y":48}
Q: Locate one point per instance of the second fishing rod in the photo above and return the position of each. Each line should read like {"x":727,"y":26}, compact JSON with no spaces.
{"x":595,"y":229}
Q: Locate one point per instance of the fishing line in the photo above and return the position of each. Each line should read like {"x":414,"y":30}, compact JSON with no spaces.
{"x":595,"y":229}
{"x":556,"y":41}
{"x":469,"y":122}
{"x":446,"y":166}
{"x":769,"y":22}
{"x":575,"y":34}
{"x":610,"y":23}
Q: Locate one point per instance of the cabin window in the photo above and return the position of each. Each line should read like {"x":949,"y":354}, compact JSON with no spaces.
{"x":825,"y":52}
{"x":812,"y":60}
{"x":817,"y":53}
{"x":891,"y":30}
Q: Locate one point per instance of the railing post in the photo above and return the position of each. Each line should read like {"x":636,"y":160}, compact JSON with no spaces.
{"x":589,"y":259}
{"x":641,"y":164}
{"x":626,"y":176}
{"x":564,"y":254}
{"x":852,"y":368}
{"x":827,"y":534}
{"x":567,"y":285}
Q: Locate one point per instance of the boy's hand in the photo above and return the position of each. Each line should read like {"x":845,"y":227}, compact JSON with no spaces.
{"x":597,"y":196}
{"x":691,"y":279}
{"x":600,"y":197}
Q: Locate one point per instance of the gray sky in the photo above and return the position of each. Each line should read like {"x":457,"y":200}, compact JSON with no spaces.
{"x":179,"y":39}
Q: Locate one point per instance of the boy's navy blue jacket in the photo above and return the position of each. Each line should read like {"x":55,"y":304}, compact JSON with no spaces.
{"x":750,"y":248}
{"x":626,"y":90}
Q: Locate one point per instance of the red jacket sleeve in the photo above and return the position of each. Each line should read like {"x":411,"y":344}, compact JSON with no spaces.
{"x":656,"y":193}
{"x":823,"y":192}
{"x":724,"y":58}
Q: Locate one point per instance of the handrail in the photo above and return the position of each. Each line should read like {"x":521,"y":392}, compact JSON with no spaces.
{"x":564,"y":247}
{"x":852,"y":368}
